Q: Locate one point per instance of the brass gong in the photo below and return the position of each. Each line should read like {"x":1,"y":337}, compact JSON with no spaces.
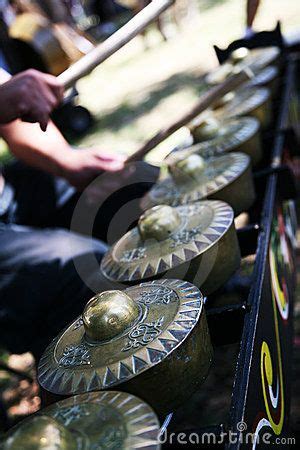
{"x":257,"y":58}
{"x":262,"y":77}
{"x":213,"y":137}
{"x":267,"y":77}
{"x":148,"y":340}
{"x":99,"y":420}
{"x":254,"y":102}
{"x":220,"y":74}
{"x":226,"y":177}
{"x":195,"y":242}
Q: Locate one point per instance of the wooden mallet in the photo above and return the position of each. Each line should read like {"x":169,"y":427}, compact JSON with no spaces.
{"x":120,"y":38}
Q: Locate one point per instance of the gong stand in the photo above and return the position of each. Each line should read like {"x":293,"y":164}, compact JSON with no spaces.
{"x":242,"y":324}
{"x":260,"y":313}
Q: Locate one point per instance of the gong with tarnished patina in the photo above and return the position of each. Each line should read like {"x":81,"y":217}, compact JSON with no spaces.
{"x":254,"y":102}
{"x":101,"y":420}
{"x":220,"y":74}
{"x":148,"y":340}
{"x":257,"y":58}
{"x":195,"y":242}
{"x":225,"y":177}
{"x":260,"y":76}
{"x":213,"y":137}
{"x":267,"y":77}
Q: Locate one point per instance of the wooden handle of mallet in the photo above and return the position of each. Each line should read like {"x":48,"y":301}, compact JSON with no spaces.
{"x":116,"y":41}
{"x":205,"y":101}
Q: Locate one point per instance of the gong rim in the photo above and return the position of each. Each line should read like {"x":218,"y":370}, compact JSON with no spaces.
{"x":245,"y":102}
{"x":244,"y":128}
{"x":175,"y":195}
{"x":141,"y":420}
{"x":259,"y":58}
{"x":264,"y":77}
{"x":75,"y":379}
{"x":129,"y":420}
{"x":172,"y":255}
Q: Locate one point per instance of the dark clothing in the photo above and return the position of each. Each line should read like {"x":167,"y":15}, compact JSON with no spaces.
{"x":46,"y":271}
{"x":106,"y":9}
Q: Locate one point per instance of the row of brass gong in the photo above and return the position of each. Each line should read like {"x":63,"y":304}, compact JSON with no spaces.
{"x":151,"y":340}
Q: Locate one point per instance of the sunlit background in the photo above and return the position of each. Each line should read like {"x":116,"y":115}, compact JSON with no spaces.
{"x":150,"y":82}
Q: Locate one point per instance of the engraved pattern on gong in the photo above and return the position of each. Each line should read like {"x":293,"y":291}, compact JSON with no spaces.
{"x":247,"y":100}
{"x":75,"y":356}
{"x":133,"y":255}
{"x":191,"y":210}
{"x":68,"y":415}
{"x":143,"y":333}
{"x":184,"y":236}
{"x":168,"y":190}
{"x":233,"y":132}
{"x":159,"y":295}
{"x":78,"y":324}
{"x":222,"y":143}
{"x":111,"y":439}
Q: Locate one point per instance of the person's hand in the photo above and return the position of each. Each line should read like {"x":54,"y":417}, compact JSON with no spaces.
{"x":30,"y":96}
{"x":82,"y":166}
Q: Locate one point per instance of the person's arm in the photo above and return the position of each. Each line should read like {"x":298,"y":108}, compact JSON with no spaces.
{"x":49,"y":151}
{"x":44,"y":150}
{"x":30,"y":96}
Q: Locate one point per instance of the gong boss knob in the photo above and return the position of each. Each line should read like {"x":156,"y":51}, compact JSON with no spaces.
{"x":158,"y":223}
{"x":206,"y":129}
{"x":108,"y":315}
{"x":187,"y":169}
{"x":239,"y":55}
{"x":41,"y":432}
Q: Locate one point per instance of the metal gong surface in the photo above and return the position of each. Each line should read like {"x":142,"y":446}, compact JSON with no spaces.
{"x":101,"y":420}
{"x":168,"y":311}
{"x":244,"y":102}
{"x":201,"y":226}
{"x":219,"y":172}
{"x":263,"y":77}
{"x":257,"y":58}
{"x":231,"y":134}
{"x":219,"y":74}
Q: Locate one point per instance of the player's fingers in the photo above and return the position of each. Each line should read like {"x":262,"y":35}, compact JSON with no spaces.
{"x":56,"y":87}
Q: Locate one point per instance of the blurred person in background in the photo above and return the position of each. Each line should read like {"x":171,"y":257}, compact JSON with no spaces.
{"x":181,"y":10}
{"x":141,"y":5}
{"x":16,"y":55}
{"x":252,"y":8}
{"x":136,"y":6}
{"x":106,"y":11}
{"x":9,"y":57}
{"x":24,"y":6}
{"x":34,"y":39}
{"x":57,"y":10}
